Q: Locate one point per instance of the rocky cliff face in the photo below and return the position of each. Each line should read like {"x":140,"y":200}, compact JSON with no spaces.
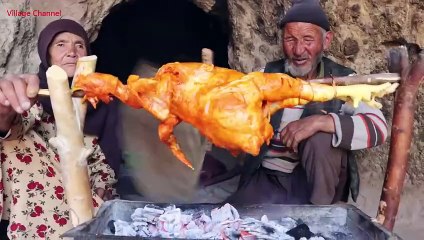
{"x":360,"y":27}
{"x":18,"y":35}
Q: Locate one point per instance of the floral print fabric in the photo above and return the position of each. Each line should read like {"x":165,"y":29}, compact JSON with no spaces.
{"x":34,"y":199}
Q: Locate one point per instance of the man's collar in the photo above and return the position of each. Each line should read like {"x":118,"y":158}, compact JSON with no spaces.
{"x":286,"y":68}
{"x":321,"y":69}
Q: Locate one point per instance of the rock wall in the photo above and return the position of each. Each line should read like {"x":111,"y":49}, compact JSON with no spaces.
{"x":360,"y":26}
{"x":18,"y":35}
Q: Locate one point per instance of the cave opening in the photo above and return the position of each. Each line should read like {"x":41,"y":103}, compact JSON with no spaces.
{"x":158,"y":31}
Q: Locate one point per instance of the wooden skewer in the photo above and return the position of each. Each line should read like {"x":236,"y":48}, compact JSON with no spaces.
{"x":46,"y":92}
{"x":43,"y":92}
{"x":207,"y":55}
{"x":373,"y":79}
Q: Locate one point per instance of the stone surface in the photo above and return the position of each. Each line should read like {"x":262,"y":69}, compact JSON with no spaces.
{"x":17,"y":44}
{"x":350,"y":47}
{"x":206,"y":5}
{"x":18,"y":35}
{"x":410,"y":216}
{"x":360,"y":27}
{"x":255,"y":38}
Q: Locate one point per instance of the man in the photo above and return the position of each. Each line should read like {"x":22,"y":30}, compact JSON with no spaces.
{"x":309,"y":160}
{"x":32,"y":197}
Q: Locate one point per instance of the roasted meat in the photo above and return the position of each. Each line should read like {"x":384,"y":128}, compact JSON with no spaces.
{"x":231,"y":109}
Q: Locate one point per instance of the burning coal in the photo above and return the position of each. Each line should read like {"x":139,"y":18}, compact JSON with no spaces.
{"x":222,"y":223}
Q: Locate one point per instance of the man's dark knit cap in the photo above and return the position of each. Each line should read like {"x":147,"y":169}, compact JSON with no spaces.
{"x":308,"y":11}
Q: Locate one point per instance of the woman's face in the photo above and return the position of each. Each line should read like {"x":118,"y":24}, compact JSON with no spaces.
{"x":65,"y":50}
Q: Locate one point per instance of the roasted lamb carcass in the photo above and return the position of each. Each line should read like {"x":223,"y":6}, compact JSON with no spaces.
{"x":231,"y":109}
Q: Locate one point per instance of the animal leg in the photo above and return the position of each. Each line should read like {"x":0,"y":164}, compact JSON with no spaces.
{"x":277,"y":87}
{"x":272,"y":107}
{"x":166,"y":135}
{"x":144,"y":90}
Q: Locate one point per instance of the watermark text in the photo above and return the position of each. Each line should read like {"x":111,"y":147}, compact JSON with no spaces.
{"x":34,"y":13}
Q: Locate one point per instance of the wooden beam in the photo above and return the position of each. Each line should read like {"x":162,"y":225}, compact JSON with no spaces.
{"x":402,"y":131}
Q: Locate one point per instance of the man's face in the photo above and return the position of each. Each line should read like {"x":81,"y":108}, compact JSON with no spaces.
{"x":303,"y":46}
{"x":65,"y":50}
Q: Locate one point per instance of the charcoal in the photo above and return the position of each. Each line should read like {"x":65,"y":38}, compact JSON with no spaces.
{"x":300,"y":231}
{"x":341,"y":236}
{"x":225,"y":221}
{"x":269,"y":230}
{"x":111,"y":226}
{"x":235,"y":235}
{"x":326,"y":222}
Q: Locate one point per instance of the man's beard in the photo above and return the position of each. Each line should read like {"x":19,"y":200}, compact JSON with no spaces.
{"x":303,"y":71}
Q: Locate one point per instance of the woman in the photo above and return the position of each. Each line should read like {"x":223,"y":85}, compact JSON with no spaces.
{"x":103,"y":121}
{"x":33,"y":198}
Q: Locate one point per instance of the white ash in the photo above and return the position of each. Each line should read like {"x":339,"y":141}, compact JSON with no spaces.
{"x":223,"y":223}
{"x":312,"y":238}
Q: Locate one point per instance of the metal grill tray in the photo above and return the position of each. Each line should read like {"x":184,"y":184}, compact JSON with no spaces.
{"x":341,"y":222}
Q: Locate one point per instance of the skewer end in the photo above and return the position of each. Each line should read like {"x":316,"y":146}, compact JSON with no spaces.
{"x":78,"y":93}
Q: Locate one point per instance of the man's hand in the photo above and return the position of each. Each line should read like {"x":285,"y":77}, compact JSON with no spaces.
{"x":17,"y":94}
{"x":299,"y":130}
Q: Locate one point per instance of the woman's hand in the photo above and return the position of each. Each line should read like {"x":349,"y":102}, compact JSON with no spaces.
{"x":17,"y":94}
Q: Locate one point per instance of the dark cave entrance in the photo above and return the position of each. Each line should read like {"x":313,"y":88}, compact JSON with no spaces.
{"x":159,"y":31}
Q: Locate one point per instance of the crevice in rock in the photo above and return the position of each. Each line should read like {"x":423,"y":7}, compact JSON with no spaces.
{"x":158,"y":31}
